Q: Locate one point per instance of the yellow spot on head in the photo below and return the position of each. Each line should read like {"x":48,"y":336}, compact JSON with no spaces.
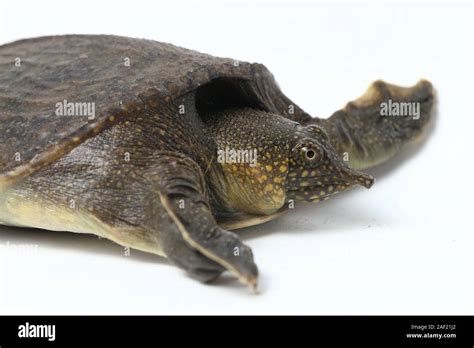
{"x":304,"y":173}
{"x":261,"y":179}
{"x":283,"y":168}
{"x":269,"y":168}
{"x":255,"y":171}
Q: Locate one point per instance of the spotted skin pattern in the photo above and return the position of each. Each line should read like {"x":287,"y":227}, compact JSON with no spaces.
{"x":283,"y":172}
{"x":145,"y":175}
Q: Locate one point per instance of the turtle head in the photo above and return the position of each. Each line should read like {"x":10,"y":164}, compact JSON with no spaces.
{"x":281,"y":161}
{"x":315,"y":170}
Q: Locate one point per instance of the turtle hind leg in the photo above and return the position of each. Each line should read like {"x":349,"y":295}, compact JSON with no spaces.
{"x":375,"y":127}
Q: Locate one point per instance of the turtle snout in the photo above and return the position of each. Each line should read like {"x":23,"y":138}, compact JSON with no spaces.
{"x":355,"y":177}
{"x":365,"y":180}
{"x":348,"y":175}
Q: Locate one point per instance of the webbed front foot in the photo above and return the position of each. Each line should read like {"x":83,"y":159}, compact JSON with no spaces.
{"x":187,"y":229}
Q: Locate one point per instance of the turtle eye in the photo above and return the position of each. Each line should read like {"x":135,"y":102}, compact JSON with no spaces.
{"x":311,"y":154}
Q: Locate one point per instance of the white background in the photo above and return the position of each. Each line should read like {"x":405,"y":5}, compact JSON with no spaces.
{"x":403,"y":247}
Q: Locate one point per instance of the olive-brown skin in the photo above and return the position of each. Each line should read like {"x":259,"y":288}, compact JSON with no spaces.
{"x":146,"y":166}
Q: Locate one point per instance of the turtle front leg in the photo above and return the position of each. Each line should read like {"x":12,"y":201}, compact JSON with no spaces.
{"x":155,"y":203}
{"x":189,"y":234}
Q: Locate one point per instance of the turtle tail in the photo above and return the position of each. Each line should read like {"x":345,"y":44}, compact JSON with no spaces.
{"x":375,"y":127}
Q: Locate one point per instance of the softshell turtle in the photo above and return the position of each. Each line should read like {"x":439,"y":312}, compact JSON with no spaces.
{"x":164,"y":149}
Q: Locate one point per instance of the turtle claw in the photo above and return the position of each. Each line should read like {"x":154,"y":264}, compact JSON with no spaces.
{"x":254,"y":286}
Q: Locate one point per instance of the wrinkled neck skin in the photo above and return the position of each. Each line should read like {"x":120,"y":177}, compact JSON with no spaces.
{"x":253,"y":157}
